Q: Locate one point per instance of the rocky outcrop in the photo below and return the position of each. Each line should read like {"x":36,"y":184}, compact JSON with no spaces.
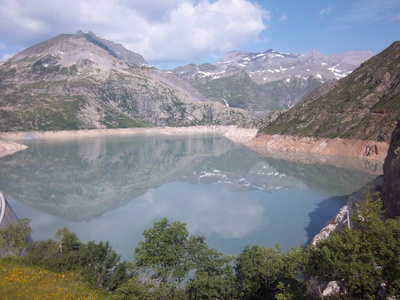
{"x":8,"y":147}
{"x":268,"y":145}
{"x":342,"y":219}
{"x":391,"y":175}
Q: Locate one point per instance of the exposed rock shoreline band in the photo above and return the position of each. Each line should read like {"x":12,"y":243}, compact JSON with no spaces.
{"x":265,"y":145}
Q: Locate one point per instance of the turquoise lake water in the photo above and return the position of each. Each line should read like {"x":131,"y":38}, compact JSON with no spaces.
{"x":113,"y":188}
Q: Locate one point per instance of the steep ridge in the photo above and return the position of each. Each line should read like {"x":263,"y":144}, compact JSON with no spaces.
{"x":79,"y":81}
{"x":362,"y":106}
{"x":261,"y":82}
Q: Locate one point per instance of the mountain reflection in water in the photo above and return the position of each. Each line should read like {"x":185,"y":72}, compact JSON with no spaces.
{"x":113,"y":188}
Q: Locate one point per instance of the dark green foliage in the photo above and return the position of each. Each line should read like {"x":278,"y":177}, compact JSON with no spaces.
{"x":60,"y":255}
{"x":43,"y":253}
{"x":236,"y":90}
{"x":68,"y":240}
{"x":14,"y":238}
{"x":364,"y":259}
{"x":164,"y":251}
{"x":132,"y":289}
{"x":257,"y":272}
{"x":101,"y":265}
{"x":179,"y":266}
{"x":214,"y":276}
{"x":266,"y":273}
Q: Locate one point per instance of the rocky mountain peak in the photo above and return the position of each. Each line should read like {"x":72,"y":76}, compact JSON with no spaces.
{"x":115,"y":49}
{"x":86,"y":48}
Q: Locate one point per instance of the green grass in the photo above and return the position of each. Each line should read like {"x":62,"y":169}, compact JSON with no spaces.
{"x":18,"y":281}
{"x":126,"y":122}
{"x":46,"y":114}
{"x":388,"y":104}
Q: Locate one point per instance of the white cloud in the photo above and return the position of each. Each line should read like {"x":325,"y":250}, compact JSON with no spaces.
{"x":371,"y":10}
{"x":192,"y":31}
{"x":395,"y":18}
{"x":325,"y":11}
{"x":174,"y":30}
{"x":283,"y":18}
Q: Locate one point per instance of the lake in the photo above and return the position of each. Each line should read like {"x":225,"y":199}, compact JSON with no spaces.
{"x":112,"y":188}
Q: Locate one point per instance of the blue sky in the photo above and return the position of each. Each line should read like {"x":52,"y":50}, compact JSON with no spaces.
{"x":331,"y":26}
{"x":169,"y":33}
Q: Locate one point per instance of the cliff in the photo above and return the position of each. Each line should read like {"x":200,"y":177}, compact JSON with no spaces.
{"x":391,"y":175}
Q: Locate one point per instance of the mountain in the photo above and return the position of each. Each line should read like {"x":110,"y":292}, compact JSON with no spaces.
{"x":364,"y":105}
{"x":272,"y":80}
{"x":78,"y":81}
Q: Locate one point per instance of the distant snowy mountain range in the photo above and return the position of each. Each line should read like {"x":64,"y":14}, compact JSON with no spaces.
{"x":277,"y":79}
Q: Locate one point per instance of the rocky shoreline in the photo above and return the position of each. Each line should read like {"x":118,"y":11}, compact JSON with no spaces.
{"x":265,"y":145}
{"x":8,"y":140}
{"x":387,"y":185}
{"x":8,"y":147}
{"x":269,"y":145}
{"x":342,"y":219}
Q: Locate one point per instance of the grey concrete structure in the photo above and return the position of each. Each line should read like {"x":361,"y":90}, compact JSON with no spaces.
{"x":7,"y":215}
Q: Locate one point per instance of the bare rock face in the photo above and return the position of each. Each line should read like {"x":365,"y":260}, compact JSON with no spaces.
{"x":8,"y":147}
{"x":391,"y":175}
